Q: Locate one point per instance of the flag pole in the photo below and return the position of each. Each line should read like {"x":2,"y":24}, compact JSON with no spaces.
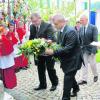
{"x":89,"y":8}
{"x":9,"y":9}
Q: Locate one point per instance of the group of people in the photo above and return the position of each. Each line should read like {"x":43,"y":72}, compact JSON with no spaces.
{"x":76,"y":52}
{"x":11,"y":38}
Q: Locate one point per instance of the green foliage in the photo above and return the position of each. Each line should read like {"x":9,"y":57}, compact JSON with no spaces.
{"x":99,"y":37}
{"x":98,"y":54}
{"x":47,"y":10}
{"x":37,"y":47}
{"x":55,"y":46}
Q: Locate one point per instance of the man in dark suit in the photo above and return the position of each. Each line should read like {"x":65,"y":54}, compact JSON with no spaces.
{"x":87,"y":34}
{"x":77,"y":26}
{"x":69,"y":54}
{"x":41,"y":29}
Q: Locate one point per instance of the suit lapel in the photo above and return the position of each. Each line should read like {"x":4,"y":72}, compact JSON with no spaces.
{"x":61,"y":35}
{"x":58,"y":37}
{"x":64,"y":32}
{"x":87,"y":29}
{"x":42,"y":28}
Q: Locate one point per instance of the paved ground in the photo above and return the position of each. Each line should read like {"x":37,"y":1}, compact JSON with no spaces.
{"x":28,"y":79}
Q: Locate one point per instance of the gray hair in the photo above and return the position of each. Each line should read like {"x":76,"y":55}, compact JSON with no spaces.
{"x":84,"y":16}
{"x":35,"y":15}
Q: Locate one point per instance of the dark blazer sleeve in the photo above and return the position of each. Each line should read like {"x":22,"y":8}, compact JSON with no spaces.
{"x":70,"y":40}
{"x":95,"y":38}
{"x":95,"y":34}
{"x":32,"y":32}
{"x":50,"y":32}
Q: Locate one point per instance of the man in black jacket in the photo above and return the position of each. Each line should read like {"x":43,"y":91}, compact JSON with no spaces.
{"x":41,"y":29}
{"x":70,"y":54}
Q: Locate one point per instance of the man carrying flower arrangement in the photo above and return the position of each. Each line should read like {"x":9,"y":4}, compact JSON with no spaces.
{"x":41,"y":29}
{"x":69,"y":54}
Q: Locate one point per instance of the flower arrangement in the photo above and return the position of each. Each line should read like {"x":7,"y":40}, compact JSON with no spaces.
{"x":37,"y":47}
{"x":55,"y":46}
{"x":33,"y":47}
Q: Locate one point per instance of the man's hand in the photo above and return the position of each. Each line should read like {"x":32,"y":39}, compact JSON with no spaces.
{"x":49,"y":41}
{"x":49,"y":51}
{"x":43,"y":39}
{"x":95,"y":44}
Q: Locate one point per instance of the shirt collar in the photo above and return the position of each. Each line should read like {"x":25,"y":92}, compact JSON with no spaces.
{"x":62,"y":28}
{"x":86,"y":25}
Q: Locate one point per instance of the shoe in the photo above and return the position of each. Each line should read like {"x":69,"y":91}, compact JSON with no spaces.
{"x":76,"y":90}
{"x":65,"y":98}
{"x":74,"y":93}
{"x":17,"y":70}
{"x":40,"y":88}
{"x":95,"y":78}
{"x":53,"y":88}
{"x":82,"y":83}
{"x":24,"y":68}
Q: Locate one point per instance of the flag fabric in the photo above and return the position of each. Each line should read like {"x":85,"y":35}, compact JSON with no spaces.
{"x":92,"y":17}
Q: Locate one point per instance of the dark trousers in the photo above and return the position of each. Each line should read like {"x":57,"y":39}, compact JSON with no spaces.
{"x":69,"y":82}
{"x":46,"y":62}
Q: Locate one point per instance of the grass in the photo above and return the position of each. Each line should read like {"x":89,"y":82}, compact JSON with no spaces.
{"x":99,"y":37}
{"x":98,"y":54}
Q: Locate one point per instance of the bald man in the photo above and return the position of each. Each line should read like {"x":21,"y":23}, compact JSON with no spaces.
{"x":69,"y":54}
{"x":88,"y":33}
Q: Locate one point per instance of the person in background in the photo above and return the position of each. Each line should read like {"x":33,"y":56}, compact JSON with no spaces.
{"x":41,"y":29}
{"x":87,"y":34}
{"x":77,"y":26}
{"x":21,"y":31}
{"x":7,"y":60}
{"x":21,"y":62}
{"x":11,"y":35}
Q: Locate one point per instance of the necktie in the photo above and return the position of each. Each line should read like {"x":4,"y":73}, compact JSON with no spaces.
{"x":83,"y":36}
{"x":60,"y":34}
{"x":60,"y":37}
{"x":37,"y":29}
{"x":84,"y":30}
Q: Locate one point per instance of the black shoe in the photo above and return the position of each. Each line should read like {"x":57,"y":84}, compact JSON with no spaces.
{"x":74,"y":93}
{"x":40,"y":88}
{"x":17,"y":70}
{"x":65,"y":98}
{"x":95,"y":78}
{"x":24,"y":68}
{"x":53,"y":88}
{"x":76,"y":90}
{"x":82,"y":83}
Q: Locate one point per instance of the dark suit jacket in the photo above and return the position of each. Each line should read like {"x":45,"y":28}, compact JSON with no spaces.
{"x":70,"y":53}
{"x":90,"y":36}
{"x":46,"y":31}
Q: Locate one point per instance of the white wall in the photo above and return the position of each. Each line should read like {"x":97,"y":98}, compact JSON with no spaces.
{"x":98,"y":20}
